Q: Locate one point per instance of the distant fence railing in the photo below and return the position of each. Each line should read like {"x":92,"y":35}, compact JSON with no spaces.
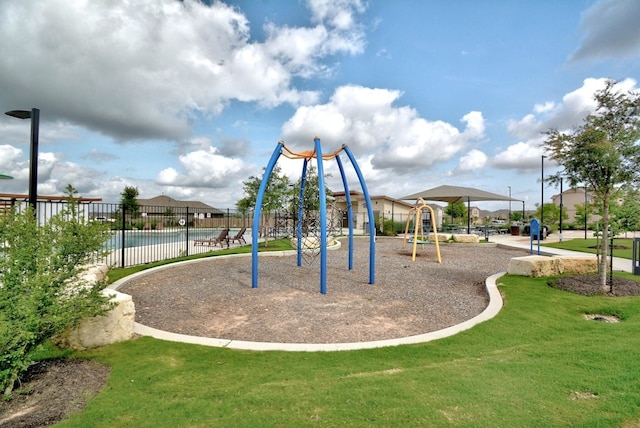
{"x":154,"y":233}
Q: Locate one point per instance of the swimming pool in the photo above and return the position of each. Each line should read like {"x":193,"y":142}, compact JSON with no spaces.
{"x":142,"y":238}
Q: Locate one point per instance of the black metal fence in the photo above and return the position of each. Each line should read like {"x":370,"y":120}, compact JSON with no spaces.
{"x":150,"y":233}
{"x":154,"y":233}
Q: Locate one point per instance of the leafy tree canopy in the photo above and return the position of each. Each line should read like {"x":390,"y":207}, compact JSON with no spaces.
{"x":602,"y":152}
{"x":275,"y":195}
{"x":457,"y":210}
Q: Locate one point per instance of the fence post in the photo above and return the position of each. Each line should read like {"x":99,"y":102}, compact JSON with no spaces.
{"x":124,"y":223}
{"x":186,"y":244}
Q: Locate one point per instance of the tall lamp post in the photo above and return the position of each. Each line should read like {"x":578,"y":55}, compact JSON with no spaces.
{"x":509,"y":217}
{"x":542,"y":199}
{"x":561,"y":208}
{"x":585,"y":210}
{"x":34,"y":115}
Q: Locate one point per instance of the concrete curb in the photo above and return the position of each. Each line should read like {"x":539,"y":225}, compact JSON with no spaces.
{"x":495,"y":304}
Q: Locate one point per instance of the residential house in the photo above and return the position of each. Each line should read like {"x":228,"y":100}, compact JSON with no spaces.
{"x":383,"y":207}
{"x":571,"y":198}
{"x":168,"y":211}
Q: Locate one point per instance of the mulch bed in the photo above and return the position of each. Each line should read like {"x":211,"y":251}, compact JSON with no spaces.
{"x":589,"y":285}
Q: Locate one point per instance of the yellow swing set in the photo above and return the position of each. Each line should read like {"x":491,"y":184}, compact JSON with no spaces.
{"x":415,"y":213}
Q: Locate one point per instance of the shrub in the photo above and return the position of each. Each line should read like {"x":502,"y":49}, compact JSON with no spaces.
{"x":390,"y":228}
{"x":41,"y":289}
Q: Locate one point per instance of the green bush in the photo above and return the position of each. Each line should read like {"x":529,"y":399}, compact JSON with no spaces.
{"x":41,"y":292}
{"x":389,"y":228}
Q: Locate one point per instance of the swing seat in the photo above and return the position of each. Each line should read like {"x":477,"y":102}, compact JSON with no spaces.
{"x":419,"y":241}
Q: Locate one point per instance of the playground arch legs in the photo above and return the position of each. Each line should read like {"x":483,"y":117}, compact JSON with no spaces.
{"x":307,"y":156}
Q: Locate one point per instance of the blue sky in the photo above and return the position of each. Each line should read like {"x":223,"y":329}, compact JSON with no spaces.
{"x":189,"y":99}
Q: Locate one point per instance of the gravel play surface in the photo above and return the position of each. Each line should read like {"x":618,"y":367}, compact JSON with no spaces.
{"x":214,"y":298}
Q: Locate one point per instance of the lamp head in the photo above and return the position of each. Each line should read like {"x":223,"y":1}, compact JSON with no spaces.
{"x":20,"y":114}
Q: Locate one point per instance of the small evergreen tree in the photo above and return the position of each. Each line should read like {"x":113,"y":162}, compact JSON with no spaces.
{"x":129,"y":201}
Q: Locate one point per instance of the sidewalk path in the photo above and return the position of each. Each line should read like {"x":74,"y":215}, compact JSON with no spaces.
{"x":523,"y":242}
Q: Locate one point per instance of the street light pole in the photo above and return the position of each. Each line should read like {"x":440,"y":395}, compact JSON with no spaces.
{"x":561,"y":208}
{"x":585,"y":210}
{"x":542,"y":199}
{"x":509,"y":217}
{"x":34,"y":114}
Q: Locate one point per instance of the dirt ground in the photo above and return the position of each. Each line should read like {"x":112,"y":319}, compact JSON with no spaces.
{"x":54,"y":389}
{"x":51,"y":391}
{"x":589,"y":285}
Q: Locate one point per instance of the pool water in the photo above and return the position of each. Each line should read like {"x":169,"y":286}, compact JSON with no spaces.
{"x":141,"y":238}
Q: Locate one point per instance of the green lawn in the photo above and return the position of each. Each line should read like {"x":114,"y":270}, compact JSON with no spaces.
{"x":622,"y":246}
{"x":538,"y":363}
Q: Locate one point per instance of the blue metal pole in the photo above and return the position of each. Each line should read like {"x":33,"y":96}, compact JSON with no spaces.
{"x":347,"y":198}
{"x":256,"y":213}
{"x":323,"y":219}
{"x":372,"y":228}
{"x":303,"y":181}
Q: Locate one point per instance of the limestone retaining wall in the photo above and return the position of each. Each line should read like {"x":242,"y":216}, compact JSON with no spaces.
{"x":466,"y":238}
{"x":442,"y":237}
{"x":114,"y":326}
{"x":537,"y":266}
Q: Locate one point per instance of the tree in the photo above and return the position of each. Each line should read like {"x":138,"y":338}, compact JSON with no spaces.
{"x":456,"y":210}
{"x":582,"y":211}
{"x":551,"y":214}
{"x":42,"y":292}
{"x":129,"y":201}
{"x":310,"y":197}
{"x":516,"y":216}
{"x":626,"y":215}
{"x":602,"y":152}
{"x":275,"y":196}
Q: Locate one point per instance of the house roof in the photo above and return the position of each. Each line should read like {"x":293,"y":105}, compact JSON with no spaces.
{"x":166,"y":201}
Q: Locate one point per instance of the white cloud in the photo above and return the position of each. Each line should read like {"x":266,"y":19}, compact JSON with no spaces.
{"x":544,"y":108}
{"x":338,"y":14}
{"x":523,"y":156}
{"x":367,"y":120}
{"x":204,"y":169}
{"x":564,"y":116}
{"x":8,"y":156}
{"x":138,"y":70}
{"x":472,"y":161}
{"x":569,"y":113}
{"x":611,"y":30}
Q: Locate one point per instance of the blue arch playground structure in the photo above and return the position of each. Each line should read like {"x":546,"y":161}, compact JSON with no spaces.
{"x":281,"y":149}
